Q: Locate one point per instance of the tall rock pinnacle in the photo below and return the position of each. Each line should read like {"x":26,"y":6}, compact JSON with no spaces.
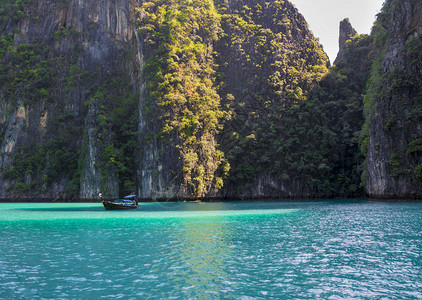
{"x":346,"y":32}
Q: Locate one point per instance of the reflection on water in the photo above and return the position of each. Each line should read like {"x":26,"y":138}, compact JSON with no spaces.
{"x":194,"y":260}
{"x":210,"y":251}
{"x":199,"y":254}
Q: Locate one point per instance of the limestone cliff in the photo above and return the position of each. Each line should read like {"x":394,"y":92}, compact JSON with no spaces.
{"x":346,"y":31}
{"x":59,"y":61}
{"x":96,"y":102}
{"x":269,"y":63}
{"x":170,"y":98}
{"x":394,"y":103}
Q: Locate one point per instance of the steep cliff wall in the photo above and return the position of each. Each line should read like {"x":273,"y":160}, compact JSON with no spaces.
{"x":64,"y":63}
{"x":181,"y":111}
{"x":317,"y":143}
{"x":92,"y":105}
{"x":394,"y":103}
{"x":173,"y":98}
{"x":269,"y":62}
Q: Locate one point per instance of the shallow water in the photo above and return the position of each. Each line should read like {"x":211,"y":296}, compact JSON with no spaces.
{"x":236,"y":250}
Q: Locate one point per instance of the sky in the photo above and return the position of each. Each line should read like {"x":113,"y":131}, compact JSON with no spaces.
{"x":324,"y":16}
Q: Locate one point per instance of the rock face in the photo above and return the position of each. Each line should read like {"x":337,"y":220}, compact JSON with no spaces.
{"x":346,"y":32}
{"x":56,"y":57}
{"x":76,"y":109}
{"x":394,"y":102}
{"x":118,"y":96}
{"x":182,"y":111}
{"x":270,"y":62}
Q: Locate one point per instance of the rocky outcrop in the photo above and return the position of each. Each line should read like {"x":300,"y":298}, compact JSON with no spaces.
{"x":80,"y":142}
{"x":346,"y":32}
{"x":92,"y":100}
{"x":394,"y":104}
{"x":63,"y":53}
{"x":270,"y":61}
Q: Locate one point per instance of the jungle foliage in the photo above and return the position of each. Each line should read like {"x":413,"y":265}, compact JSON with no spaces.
{"x":292,"y":117}
{"x":33,"y":74}
{"x":395,"y":97}
{"x":238,"y":89}
{"x":180,"y":71}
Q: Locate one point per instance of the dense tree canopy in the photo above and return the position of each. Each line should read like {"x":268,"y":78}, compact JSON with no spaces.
{"x":180,"y":71}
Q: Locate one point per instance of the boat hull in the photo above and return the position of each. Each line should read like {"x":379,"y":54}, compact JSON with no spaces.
{"x":109,"y":205}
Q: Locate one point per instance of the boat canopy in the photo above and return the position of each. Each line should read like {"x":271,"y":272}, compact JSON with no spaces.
{"x":129,"y":197}
{"x":122,"y":201}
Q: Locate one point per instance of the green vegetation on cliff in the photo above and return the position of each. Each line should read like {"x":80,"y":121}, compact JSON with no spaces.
{"x":30,"y":77}
{"x":225,"y":97}
{"x":180,"y":69}
{"x":392,"y":133}
{"x":44,"y":83}
{"x":274,"y":62}
{"x":329,"y":136}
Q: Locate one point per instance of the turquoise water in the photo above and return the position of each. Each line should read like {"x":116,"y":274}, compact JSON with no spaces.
{"x":236,"y":250}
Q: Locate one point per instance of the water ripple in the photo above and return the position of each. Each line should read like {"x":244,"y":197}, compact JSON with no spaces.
{"x":304,"y":250}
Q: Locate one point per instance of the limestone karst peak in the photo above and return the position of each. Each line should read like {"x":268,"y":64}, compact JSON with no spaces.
{"x":346,"y":32}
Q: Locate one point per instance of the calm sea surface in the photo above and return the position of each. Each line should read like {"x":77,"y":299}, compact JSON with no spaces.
{"x":244,"y":250}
